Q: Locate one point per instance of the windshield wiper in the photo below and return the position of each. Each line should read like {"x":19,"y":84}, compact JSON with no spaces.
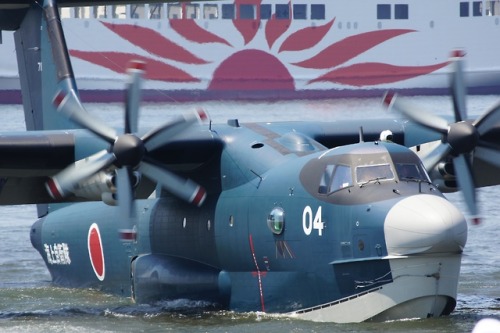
{"x":375,"y":180}
{"x":411,"y":179}
{"x":415,"y":179}
{"x":339,"y":189}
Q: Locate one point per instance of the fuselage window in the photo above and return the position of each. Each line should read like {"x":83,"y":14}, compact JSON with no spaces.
{"x":401,"y":12}
{"x":210,"y":12}
{"x":317,"y":12}
{"x":265,"y":12}
{"x":369,"y":173}
{"x":299,"y":12}
{"x":247,"y":12}
{"x":228,"y":11}
{"x":384,"y":12}
{"x":282,"y":12}
{"x":276,"y":220}
{"x":335,"y":177}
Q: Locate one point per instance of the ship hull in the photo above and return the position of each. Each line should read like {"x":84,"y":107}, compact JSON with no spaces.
{"x":349,"y":53}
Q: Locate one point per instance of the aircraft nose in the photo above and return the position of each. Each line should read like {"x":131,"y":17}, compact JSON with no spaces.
{"x":424,"y":224}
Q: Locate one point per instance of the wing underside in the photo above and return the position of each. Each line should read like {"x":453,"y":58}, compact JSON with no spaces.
{"x":28,"y":159}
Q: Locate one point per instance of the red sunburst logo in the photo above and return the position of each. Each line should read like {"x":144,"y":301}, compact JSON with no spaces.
{"x":257,"y":69}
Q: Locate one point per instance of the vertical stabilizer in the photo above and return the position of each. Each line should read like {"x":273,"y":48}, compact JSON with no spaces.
{"x":44,"y":66}
{"x":44,"y":69}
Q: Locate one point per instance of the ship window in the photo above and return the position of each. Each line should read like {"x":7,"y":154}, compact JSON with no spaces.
{"x":401,"y":12}
{"x":136,"y":11}
{"x":174,"y":11}
{"x":464,"y":9}
{"x":317,"y":12}
{"x":247,"y":12}
{"x":265,"y":12}
{"x":282,"y":12}
{"x":193,"y":11}
{"x":63,"y":12}
{"x":384,"y":12}
{"x":335,"y":177}
{"x":477,"y":8}
{"x":210,"y":11}
{"x":83,"y":12}
{"x":99,"y":11}
{"x":299,"y":12}
{"x":119,"y":11}
{"x":371,"y":173}
{"x":155,"y":10}
{"x":228,"y":11}
{"x":492,"y":8}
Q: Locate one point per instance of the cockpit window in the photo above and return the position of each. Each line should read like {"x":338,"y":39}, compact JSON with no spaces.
{"x":411,"y":171}
{"x":335,"y":177}
{"x":368,"y":173}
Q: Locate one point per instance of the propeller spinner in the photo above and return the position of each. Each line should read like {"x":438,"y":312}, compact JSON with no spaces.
{"x":463,"y":139}
{"x":127,"y":152}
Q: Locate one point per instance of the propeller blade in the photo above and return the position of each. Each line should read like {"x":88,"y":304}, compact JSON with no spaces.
{"x":435,"y":156}
{"x":488,"y":120}
{"x":126,"y":203}
{"x":160,"y":135}
{"x":465,"y":180}
{"x":65,"y":181}
{"x":491,"y":156}
{"x":185,"y":189}
{"x":69,"y":104}
{"x":415,"y":114}
{"x":135,"y":70}
{"x":458,"y":90}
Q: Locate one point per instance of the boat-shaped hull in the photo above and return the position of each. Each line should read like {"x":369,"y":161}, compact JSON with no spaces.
{"x":433,"y":292}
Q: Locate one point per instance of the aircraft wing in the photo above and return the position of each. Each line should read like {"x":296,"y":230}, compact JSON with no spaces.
{"x":28,"y":159}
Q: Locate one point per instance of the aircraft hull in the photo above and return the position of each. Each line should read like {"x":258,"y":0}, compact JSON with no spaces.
{"x":391,"y":253}
{"x":423,"y":286}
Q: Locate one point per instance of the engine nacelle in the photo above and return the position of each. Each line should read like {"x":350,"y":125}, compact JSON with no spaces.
{"x":94,"y":187}
{"x":443,"y":176}
{"x":102,"y":186}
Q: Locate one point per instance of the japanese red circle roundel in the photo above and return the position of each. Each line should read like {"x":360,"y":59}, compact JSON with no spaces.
{"x":96,"y":254}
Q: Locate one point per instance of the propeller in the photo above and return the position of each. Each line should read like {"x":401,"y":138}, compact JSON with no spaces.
{"x":127,"y":152}
{"x":463,"y":139}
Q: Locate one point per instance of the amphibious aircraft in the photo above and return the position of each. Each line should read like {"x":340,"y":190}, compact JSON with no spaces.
{"x":324,"y":221}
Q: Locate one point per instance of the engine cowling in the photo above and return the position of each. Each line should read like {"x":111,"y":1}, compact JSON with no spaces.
{"x":102,"y":186}
{"x":443,"y":176}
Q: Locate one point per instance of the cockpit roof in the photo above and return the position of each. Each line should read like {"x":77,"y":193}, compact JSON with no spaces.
{"x":360,"y":164}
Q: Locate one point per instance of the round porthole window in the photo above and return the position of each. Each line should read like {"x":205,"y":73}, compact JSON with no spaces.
{"x":276,"y":220}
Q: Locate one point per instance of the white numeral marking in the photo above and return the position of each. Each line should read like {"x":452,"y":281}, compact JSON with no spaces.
{"x":308,"y":223}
